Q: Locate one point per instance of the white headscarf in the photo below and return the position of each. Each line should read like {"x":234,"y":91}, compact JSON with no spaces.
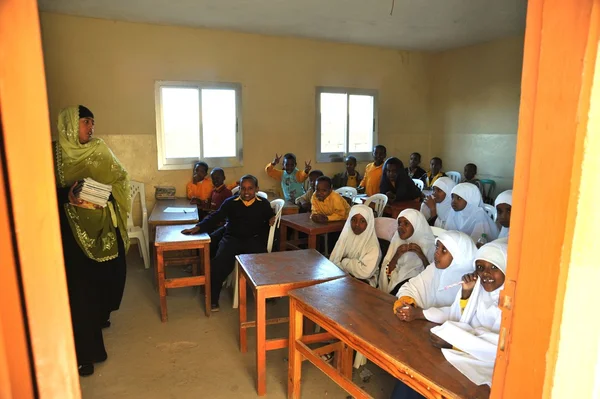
{"x":472,"y":220}
{"x":504,"y":198}
{"x":409,"y":264}
{"x":443,"y":208}
{"x":427,"y":289}
{"x":358,"y":255}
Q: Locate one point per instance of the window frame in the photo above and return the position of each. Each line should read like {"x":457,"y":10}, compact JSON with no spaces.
{"x":339,"y":157}
{"x":186,"y":163}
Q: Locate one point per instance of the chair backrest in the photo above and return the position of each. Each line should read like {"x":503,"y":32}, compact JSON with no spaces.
{"x":385,"y":228}
{"x":380,"y":201}
{"x":490,"y":210}
{"x":437,"y":230}
{"x":277,"y":206}
{"x":235,"y":190}
{"x":262,"y":194}
{"x":419,"y":183}
{"x":454,"y":175}
{"x":489,"y":186}
{"x":137,"y":188}
{"x":348,"y":192}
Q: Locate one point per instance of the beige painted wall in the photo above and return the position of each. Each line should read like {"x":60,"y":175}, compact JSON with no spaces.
{"x":111,"y":67}
{"x":475,"y":103}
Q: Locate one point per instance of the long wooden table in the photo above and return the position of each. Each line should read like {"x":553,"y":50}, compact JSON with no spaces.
{"x":361,"y":318}
{"x":273,"y":275}
{"x":302,"y":222}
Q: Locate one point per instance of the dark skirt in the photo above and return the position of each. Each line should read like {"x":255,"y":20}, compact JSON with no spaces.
{"x":95,"y":290}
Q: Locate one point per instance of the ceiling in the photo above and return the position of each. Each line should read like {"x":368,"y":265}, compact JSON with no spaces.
{"x":430,"y":25}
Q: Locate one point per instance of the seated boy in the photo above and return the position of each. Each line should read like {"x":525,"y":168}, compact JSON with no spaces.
{"x":290,"y":177}
{"x":326,"y":204}
{"x":349,"y":178}
{"x":414,"y":171}
{"x":220,"y":191}
{"x":304,"y":200}
{"x":470,"y":172}
{"x":373,"y":172}
{"x":200,"y":188}
{"x":246,"y":232}
{"x":435,"y":172}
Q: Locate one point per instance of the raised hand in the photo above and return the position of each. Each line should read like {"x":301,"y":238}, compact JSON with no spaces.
{"x":430,"y":202}
{"x":469,"y":281}
{"x":276,"y":159}
{"x":307,"y":166}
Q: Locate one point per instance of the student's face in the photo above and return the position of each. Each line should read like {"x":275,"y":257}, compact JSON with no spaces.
{"x":442,"y":257}
{"x":289,"y":165}
{"x":312,"y":179}
{"x":358,"y":224}
{"x":414,"y":161}
{"x":458,"y":203}
{"x":379,"y":155}
{"x":350,"y":167}
{"x":86,"y":129}
{"x":391,"y":171}
{"x":438,"y":195}
{"x":470,"y":172}
{"x":200,"y":173}
{"x":218,"y":178}
{"x":323,"y":190}
{"x":248,"y":190}
{"x":490,"y":276}
{"x":435,"y":166}
{"x":503,"y":214}
{"x":405,"y":229}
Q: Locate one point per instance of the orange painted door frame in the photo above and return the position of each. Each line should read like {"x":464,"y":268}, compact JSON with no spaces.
{"x":561,"y":39}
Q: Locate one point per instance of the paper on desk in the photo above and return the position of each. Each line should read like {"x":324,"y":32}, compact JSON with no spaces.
{"x":172,"y":209}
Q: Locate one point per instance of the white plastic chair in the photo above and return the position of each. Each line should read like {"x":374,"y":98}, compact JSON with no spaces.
{"x":348,"y":192}
{"x":139,"y":233}
{"x":262,"y":194}
{"x":456,"y":176}
{"x":385,"y":228}
{"x":380,"y":201}
{"x":437,"y":230}
{"x":235,"y":190}
{"x":490,"y":210}
{"x":277,"y":206}
{"x":419,"y":183}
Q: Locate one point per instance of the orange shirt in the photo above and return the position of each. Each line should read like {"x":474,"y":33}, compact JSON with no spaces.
{"x":372,"y":178}
{"x":201,"y":190}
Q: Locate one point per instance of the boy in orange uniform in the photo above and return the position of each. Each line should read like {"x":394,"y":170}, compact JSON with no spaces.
{"x":373,"y":171}
{"x":199,"y":190}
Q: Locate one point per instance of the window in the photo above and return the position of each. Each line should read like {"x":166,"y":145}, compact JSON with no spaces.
{"x":198,"y":121}
{"x":346,"y":123}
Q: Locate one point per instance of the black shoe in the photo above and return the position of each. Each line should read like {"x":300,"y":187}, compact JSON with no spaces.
{"x":101,"y":358}
{"x":106,"y":324}
{"x":214,"y":308}
{"x":86,"y":369}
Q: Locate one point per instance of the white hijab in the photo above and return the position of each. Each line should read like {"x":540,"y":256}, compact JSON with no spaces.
{"x":409,"y":264}
{"x":443,"y":208}
{"x":428,"y":288}
{"x":504,"y":198}
{"x":472,"y":220}
{"x":358,"y":255}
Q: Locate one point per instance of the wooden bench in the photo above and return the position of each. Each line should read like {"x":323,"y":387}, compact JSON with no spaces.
{"x":361,"y":318}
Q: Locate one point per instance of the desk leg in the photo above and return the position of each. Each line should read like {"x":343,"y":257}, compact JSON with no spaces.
{"x":242,"y":309}
{"x":312,"y":241}
{"x":261,"y":344}
{"x":206,"y":254}
{"x":295,"y":358}
{"x":347,"y":355}
{"x":162,"y":291}
{"x":282,"y":237}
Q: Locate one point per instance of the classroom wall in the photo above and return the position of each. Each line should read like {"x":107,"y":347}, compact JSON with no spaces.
{"x":111,"y":67}
{"x":475,"y":100}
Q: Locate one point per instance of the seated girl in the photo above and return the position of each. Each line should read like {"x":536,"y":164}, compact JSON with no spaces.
{"x":357,"y":250}
{"x":437,"y":207}
{"x":411,"y":249}
{"x":503,"y":207}
{"x":395,"y":182}
{"x":467,"y":214}
{"x":436,"y":286}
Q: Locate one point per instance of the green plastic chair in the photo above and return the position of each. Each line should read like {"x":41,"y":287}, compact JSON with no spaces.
{"x":489,"y":186}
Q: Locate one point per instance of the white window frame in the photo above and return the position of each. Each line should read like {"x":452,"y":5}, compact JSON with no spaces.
{"x":186,"y":163}
{"x":339,"y":156}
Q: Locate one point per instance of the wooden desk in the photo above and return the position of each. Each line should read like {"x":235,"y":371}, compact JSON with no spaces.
{"x":361,"y":317}
{"x":290,"y":208}
{"x":302,"y":222}
{"x":160,"y":217}
{"x":393,"y":209}
{"x":170,"y":238}
{"x":274,"y":275}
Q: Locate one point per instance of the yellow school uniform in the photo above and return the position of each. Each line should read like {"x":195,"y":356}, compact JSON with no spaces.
{"x":352,"y":181}
{"x":372,"y":178}
{"x":334,"y":207}
{"x":201,"y":190}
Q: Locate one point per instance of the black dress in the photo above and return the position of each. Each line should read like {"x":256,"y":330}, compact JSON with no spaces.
{"x":95,"y":289}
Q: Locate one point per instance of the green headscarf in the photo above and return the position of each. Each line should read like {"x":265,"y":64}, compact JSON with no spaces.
{"x":94,"y":229}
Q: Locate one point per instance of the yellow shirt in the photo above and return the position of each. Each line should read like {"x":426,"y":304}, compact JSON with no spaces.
{"x":334,"y":207}
{"x":372,"y":178}
{"x":429,"y":180}
{"x":202,"y":190}
{"x":352,"y":181}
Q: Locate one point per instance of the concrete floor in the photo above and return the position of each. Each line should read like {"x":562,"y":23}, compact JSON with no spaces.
{"x":192,"y":356}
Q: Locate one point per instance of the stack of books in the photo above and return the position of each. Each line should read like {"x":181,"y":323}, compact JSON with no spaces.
{"x":94,"y":192}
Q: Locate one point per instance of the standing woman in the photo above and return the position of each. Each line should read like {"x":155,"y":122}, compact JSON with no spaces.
{"x":94,"y":239}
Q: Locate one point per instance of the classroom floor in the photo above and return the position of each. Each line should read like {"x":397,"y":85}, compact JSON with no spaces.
{"x":192,"y":356}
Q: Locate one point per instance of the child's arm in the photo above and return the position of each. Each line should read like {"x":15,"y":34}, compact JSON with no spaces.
{"x":190,"y":189}
{"x":271,"y":171}
{"x":340,"y":209}
{"x":302,"y":175}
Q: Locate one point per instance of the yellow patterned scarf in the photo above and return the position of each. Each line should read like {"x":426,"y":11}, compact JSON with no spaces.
{"x":94,"y":229}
